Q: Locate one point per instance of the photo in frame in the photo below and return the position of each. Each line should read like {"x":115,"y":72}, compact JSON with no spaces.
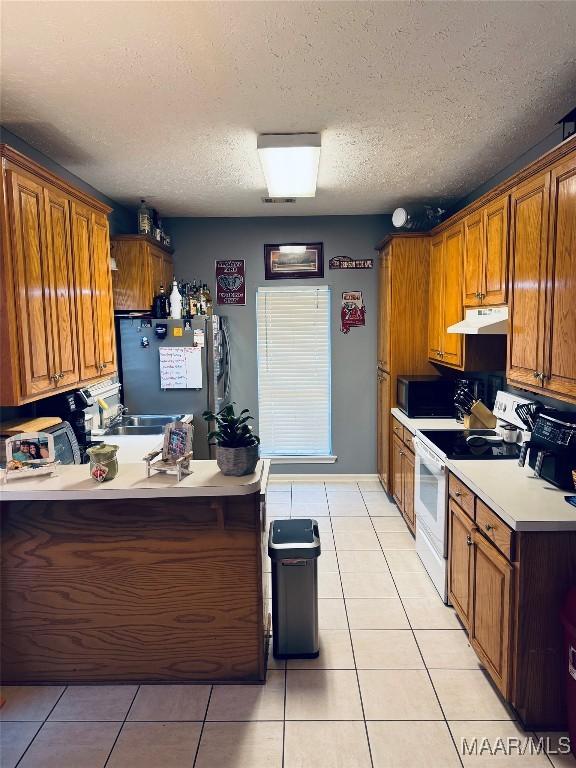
{"x":293,"y":261}
{"x":30,"y":454}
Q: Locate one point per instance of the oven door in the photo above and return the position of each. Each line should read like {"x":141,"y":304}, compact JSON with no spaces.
{"x":430,"y":496}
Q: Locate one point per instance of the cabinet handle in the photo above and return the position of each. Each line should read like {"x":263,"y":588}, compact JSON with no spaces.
{"x":542,"y":376}
{"x":104,"y":365}
{"x":457,"y":494}
{"x":60,"y":375}
{"x":489,"y":527}
{"x":469,"y":540}
{"x":54,"y":377}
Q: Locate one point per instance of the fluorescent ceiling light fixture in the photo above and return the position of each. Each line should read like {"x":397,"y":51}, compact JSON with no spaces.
{"x":290,"y":163}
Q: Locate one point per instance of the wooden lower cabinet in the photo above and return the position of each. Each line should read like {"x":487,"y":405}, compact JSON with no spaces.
{"x":508,"y":588}
{"x":460,"y":563}
{"x":491,"y":618}
{"x":402,"y":464}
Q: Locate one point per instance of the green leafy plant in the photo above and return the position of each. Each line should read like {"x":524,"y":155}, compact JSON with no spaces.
{"x":233,"y":431}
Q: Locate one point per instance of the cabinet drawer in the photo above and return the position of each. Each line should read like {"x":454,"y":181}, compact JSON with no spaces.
{"x":500,"y":534}
{"x":408,"y":439}
{"x":397,"y":428}
{"x":462,"y":495}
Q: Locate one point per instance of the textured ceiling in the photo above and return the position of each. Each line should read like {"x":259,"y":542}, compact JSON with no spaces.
{"x":415,"y":100}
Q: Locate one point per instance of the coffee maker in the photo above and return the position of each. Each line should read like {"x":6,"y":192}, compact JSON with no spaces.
{"x":71,"y":407}
{"x":552,"y":448}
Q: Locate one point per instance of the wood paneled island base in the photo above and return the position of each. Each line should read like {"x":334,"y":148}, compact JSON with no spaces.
{"x":134,"y":590}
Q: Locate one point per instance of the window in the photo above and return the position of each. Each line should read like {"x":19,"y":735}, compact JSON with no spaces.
{"x":294,"y":371}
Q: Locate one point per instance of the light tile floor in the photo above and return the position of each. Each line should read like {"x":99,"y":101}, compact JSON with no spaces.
{"x":396,"y":684}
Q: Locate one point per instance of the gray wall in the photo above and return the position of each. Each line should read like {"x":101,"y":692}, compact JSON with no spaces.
{"x":551,"y":141}
{"x":122,"y":219}
{"x":199,"y":242}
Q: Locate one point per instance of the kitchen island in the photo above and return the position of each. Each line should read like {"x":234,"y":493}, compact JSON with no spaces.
{"x":136,"y":579}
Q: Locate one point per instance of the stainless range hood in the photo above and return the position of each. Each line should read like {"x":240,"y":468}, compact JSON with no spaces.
{"x":483,"y":321}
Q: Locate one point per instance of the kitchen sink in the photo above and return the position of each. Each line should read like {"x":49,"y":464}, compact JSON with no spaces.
{"x":149,"y":424}
{"x":119,"y":429}
{"x":152,"y":420}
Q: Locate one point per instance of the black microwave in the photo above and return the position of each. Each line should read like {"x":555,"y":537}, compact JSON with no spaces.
{"x":425,"y":397}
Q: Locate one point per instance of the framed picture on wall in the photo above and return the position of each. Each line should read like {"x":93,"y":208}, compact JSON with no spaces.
{"x":291,"y":261}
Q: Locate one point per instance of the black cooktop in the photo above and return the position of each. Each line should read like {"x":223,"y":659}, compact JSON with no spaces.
{"x":455,"y":445}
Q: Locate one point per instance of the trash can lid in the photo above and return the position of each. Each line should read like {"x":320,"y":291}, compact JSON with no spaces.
{"x":301,"y":534}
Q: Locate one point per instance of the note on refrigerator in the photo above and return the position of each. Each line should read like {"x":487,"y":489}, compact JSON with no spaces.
{"x":181,"y":367}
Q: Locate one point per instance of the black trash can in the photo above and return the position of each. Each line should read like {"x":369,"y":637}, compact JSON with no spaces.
{"x":294,"y":548}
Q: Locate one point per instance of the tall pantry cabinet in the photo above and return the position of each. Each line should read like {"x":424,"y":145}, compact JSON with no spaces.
{"x":56,"y":292}
{"x":402,"y":329}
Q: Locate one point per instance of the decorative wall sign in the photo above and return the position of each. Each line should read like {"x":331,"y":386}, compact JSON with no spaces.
{"x":231,"y":281}
{"x":345,"y":262}
{"x":353,"y":312}
{"x":293,"y":261}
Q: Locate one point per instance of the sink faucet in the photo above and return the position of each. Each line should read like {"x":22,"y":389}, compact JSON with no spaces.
{"x":119,"y":413}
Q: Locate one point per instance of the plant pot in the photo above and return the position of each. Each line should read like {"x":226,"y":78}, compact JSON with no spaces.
{"x":237,"y":461}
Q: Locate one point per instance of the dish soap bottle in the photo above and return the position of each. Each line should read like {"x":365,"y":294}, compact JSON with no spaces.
{"x":175,"y":302}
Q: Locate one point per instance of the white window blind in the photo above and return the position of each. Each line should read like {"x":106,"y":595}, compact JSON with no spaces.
{"x":294,"y":371}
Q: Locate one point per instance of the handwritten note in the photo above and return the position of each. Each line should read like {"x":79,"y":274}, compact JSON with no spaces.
{"x":181,"y":367}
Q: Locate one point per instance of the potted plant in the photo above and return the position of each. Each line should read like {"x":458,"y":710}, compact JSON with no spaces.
{"x":237,"y":446}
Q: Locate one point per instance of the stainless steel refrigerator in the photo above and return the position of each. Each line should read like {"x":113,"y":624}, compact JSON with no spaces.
{"x":139,"y":345}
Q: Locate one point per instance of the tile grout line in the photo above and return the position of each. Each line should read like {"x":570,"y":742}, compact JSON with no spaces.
{"x":353,"y":653}
{"x":202,"y":727}
{"x":33,"y":739}
{"x":121,"y":727}
{"x":419,"y":649}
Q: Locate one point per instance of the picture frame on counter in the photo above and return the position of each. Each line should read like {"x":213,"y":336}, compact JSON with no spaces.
{"x":293,"y":261}
{"x":29,"y":454}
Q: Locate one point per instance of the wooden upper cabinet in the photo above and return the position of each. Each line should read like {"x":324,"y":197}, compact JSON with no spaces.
{"x":490,"y":628}
{"x":142,"y":266}
{"x":473,"y":258}
{"x":452,"y":311}
{"x":62,"y":301}
{"x":460,"y":562}
{"x":85,"y":284}
{"x":32,"y":281}
{"x":560,"y":327}
{"x":384,"y":284}
{"x":435,"y":298}
{"x":495,"y":269}
{"x":486,"y":254}
{"x":527,"y":279}
{"x":56,"y":305}
{"x":102,"y":292}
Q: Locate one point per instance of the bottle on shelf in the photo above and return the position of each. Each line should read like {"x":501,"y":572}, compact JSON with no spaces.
{"x":160,"y":305}
{"x":207,"y":300}
{"x":144,"y":219}
{"x":193,"y":300}
{"x":175,"y":302}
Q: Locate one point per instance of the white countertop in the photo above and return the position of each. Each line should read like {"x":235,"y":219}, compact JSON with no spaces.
{"x":131,"y":448}
{"x":525,"y":502}
{"x":72,"y":482}
{"x":417,"y":424}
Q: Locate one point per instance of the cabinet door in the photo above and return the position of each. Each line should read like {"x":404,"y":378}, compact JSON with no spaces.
{"x":408,"y":492}
{"x":473,"y":258}
{"x":560,"y":336}
{"x":529,"y":204}
{"x":491,"y":620}
{"x":84,"y":276}
{"x":383,"y":448}
{"x":63,"y":306}
{"x":460,"y":560}
{"x":435,"y":299}
{"x":103,"y":293}
{"x":167,"y":271}
{"x":385,"y":300}
{"x":494,"y":279}
{"x":32,"y":285}
{"x":397,"y":472}
{"x":157,"y":271}
{"x":452,"y":308}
